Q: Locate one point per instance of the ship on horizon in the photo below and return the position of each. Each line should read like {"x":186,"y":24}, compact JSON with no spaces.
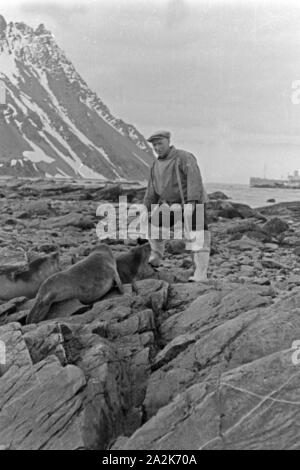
{"x":292,"y":182}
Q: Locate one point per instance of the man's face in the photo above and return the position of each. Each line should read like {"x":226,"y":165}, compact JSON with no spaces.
{"x":161,"y":146}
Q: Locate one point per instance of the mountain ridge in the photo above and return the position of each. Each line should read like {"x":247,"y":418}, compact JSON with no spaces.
{"x":51,"y":123}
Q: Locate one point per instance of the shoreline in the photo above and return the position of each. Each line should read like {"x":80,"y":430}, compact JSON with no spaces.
{"x":149,"y":361}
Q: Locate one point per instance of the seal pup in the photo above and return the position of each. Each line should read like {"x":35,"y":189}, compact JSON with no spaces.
{"x":24,"y":281}
{"x":130,"y":264}
{"x":88,"y":280}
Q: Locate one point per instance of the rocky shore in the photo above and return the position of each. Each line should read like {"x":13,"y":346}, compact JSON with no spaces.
{"x":178,"y":366}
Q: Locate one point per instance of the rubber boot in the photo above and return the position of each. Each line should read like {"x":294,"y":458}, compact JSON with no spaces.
{"x":200,"y":248}
{"x":201,"y":261}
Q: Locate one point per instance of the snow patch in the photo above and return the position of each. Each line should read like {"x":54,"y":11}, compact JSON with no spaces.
{"x":59,"y":175}
{"x":14,"y":161}
{"x":105,"y":155}
{"x":37,"y":155}
{"x":20,"y":105}
{"x":87,"y":172}
{"x":78,"y":166}
{"x":62,"y":173}
{"x":75,"y":164}
{"x":8,"y":68}
{"x":26,"y":100}
{"x":141,"y":160}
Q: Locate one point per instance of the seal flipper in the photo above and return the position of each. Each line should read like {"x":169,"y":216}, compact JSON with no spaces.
{"x":40,"y":309}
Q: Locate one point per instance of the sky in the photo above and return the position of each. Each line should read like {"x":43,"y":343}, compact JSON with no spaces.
{"x":217,"y":74}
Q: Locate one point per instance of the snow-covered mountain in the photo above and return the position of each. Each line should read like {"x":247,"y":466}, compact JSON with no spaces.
{"x":51,"y":123}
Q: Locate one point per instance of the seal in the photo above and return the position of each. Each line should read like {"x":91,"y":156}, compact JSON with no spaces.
{"x":88,"y":280}
{"x":19,"y":281}
{"x":130,"y":265}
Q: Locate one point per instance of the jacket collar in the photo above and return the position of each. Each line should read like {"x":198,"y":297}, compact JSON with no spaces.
{"x":169,"y":155}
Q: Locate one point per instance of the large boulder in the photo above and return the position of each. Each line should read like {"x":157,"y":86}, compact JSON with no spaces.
{"x":222,"y":209}
{"x":249,"y":228}
{"x":217,"y":195}
{"x":230,"y":210}
{"x":245,"y":211}
{"x":275,"y":226}
{"x":289,"y":210}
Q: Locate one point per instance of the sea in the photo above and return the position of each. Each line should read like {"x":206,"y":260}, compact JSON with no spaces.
{"x":254,"y":197}
{"x":243,"y":193}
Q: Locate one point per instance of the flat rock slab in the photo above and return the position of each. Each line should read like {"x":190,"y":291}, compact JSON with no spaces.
{"x":72,"y":219}
{"x":255,"y":406}
{"x":47,"y":414}
{"x":16,"y":352}
{"x":260,"y":406}
{"x":272,"y":264}
{"x":212,"y":308}
{"x":172,"y":349}
{"x":10,"y":256}
{"x":18,"y":317}
{"x":43,"y":340}
{"x":7,"y":308}
{"x":245,"y":243}
{"x":245,"y":338}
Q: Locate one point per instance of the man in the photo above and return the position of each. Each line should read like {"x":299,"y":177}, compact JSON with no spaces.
{"x":175,"y":178}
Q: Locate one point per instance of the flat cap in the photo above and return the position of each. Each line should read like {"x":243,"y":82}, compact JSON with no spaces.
{"x":159,"y":135}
